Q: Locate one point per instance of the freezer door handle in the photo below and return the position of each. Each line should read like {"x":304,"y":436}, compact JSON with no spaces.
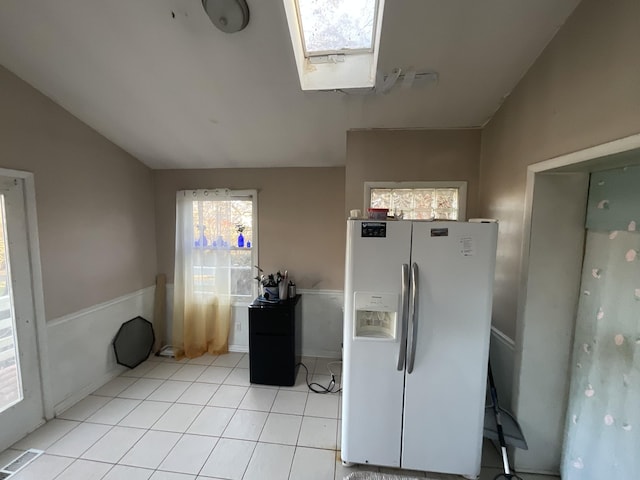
{"x":413,"y":317}
{"x":404,"y":309}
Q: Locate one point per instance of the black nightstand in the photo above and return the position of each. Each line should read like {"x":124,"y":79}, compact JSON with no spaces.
{"x":275,"y":338}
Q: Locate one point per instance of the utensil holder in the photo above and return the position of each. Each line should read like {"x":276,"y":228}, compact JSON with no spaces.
{"x":282,"y":290}
{"x":271,"y":293}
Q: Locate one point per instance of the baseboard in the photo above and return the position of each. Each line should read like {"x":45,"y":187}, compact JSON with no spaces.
{"x":239,"y":348}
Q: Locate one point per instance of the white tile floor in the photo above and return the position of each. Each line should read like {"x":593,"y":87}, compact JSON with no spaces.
{"x":200,"y":419}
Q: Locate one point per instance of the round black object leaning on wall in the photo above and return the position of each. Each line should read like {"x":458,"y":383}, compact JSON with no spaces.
{"x":133,"y":342}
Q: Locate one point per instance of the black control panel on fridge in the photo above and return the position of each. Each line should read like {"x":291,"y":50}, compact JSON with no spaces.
{"x":374,"y":230}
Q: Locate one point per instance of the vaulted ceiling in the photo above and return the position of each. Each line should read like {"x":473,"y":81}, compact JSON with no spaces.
{"x":158,"y":79}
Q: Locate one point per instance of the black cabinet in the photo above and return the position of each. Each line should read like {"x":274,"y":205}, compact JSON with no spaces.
{"x":275,"y":339}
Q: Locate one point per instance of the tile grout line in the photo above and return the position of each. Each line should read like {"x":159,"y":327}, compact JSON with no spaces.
{"x":208,"y":456}
{"x":302,"y":421}
{"x":244,"y":472}
{"x":111,"y":427}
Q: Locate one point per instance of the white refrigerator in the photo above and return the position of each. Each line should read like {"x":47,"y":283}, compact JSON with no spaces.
{"x":417,"y":320}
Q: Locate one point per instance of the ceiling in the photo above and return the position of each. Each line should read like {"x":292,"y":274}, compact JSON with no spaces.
{"x":159,"y":80}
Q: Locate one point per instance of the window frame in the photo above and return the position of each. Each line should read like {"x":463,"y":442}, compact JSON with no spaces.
{"x":221,"y":194}
{"x":461,"y":186}
{"x":343,"y":51}
{"x":339,"y":70}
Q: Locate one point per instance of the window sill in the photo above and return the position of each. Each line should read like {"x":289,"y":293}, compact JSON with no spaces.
{"x":241,"y":303}
{"x":224,"y":249}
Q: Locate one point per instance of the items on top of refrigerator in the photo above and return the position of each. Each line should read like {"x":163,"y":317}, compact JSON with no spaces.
{"x":377,"y":213}
{"x":483,"y":220}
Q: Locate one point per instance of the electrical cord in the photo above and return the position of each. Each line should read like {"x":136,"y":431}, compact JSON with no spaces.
{"x":507,"y":476}
{"x":316,"y":387}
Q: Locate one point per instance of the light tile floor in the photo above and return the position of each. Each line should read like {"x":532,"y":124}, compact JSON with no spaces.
{"x":201,"y":419}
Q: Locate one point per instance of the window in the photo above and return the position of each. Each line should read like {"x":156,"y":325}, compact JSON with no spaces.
{"x":331,"y":26}
{"x":335,"y":42}
{"x":419,"y":200}
{"x":11,"y":387}
{"x":224,"y":241}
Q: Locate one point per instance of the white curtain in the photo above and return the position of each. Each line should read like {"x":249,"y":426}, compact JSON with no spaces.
{"x":202,"y":300}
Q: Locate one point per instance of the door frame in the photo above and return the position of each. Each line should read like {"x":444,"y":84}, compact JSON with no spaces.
{"x":550,"y":179}
{"x":36,"y":285}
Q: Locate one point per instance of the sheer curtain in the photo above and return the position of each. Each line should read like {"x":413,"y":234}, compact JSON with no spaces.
{"x":202,"y":298}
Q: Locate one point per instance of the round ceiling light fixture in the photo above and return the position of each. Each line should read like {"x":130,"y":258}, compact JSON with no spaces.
{"x":230,"y":16}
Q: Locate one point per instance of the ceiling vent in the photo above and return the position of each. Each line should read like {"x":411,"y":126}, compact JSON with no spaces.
{"x":404,"y":79}
{"x":397,"y":79}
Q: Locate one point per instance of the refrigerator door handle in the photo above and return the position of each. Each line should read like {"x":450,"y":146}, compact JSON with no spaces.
{"x":404,"y":315}
{"x":413,"y":313}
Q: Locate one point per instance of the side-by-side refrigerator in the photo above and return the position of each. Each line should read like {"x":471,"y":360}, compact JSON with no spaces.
{"x":416,"y":341}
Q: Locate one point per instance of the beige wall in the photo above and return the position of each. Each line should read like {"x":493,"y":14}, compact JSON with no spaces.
{"x":301,"y":222}
{"x":411,"y":155}
{"x":583,"y":90}
{"x":94,"y":201}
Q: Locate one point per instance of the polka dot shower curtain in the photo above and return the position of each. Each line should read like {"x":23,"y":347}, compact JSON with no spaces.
{"x":602,"y":438}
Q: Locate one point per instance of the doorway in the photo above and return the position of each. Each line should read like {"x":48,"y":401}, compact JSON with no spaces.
{"x":22,"y":406}
{"x":551,"y":270}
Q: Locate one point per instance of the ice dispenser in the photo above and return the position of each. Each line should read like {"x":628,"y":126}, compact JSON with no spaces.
{"x":375,"y":315}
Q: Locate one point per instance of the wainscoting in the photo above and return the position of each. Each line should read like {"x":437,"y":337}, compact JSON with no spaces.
{"x":322,"y":334}
{"x":321,"y":323}
{"x":502,"y":355}
{"x":81,"y":357}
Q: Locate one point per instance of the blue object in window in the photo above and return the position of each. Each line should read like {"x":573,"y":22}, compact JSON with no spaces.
{"x":202,"y":241}
{"x":240,"y":240}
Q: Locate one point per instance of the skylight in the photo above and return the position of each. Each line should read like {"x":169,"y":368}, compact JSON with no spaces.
{"x":337,"y":26}
{"x":335,"y":42}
